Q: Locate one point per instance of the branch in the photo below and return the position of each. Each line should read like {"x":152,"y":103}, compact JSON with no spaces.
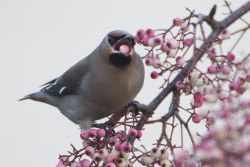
{"x":217,"y":27}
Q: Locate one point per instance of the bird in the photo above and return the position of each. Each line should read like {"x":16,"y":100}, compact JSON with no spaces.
{"x":98,"y":85}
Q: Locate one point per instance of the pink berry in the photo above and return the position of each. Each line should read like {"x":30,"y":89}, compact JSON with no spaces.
{"x":118,"y":146}
{"x":92,"y":133}
{"x":149,"y":61}
{"x":85,"y":163}
{"x":75,"y":164}
{"x":164,"y":47}
{"x":150,"y":33}
{"x":233,"y":85}
{"x":111,"y":158}
{"x":84,"y":135}
{"x":139,"y":134}
{"x":103,"y":153}
{"x":120,"y":134}
{"x":124,"y":49}
{"x":172,"y":44}
{"x":196,"y":119}
{"x":158,"y":40}
{"x":154,"y":75}
{"x":110,"y":164}
{"x":132,"y":132}
{"x":240,"y":81}
{"x":210,"y":120}
{"x":89,"y":151}
{"x":177,"y":21}
{"x":101,"y":133}
{"x":226,"y":70}
{"x":144,"y":41}
{"x":180,"y":85}
{"x":112,"y":140}
{"x":97,"y":157}
{"x":155,"y":152}
{"x":198,"y":103}
{"x":171,"y":53}
{"x":180,"y":60}
{"x":85,"y":143}
{"x":197,"y":95}
{"x":188,"y":42}
{"x":126,"y":147}
{"x":212,"y":69}
{"x":225,"y":34}
{"x":137,"y":39}
{"x":141,"y":33}
{"x":248,"y":78}
{"x":157,"y":62}
{"x":230,"y":57}
{"x":164,"y":154}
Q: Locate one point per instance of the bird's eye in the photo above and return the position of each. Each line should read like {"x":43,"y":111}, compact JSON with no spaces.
{"x":111,"y":40}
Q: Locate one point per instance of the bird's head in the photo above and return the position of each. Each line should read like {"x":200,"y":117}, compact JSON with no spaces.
{"x":119,"y":48}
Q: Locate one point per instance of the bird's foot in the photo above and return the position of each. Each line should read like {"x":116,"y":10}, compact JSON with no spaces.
{"x":103,"y":125}
{"x":135,"y":105}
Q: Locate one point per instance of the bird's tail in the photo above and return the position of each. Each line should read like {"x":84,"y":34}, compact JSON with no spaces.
{"x":39,"y":96}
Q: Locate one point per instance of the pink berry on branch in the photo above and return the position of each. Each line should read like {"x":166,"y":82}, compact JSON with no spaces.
{"x":103,"y":153}
{"x":97,"y":157}
{"x":180,"y":60}
{"x":118,"y":146}
{"x":164,"y":154}
{"x":84,"y":135}
{"x":197,"y":95}
{"x":188,"y":42}
{"x":150,"y":33}
{"x":171,"y":53}
{"x":158,"y":40}
{"x":196,"y":118}
{"x":198,"y":103}
{"x":101,"y":133}
{"x":85,"y":163}
{"x":141,"y":33}
{"x":137,"y":39}
{"x":111,"y":158}
{"x":154,"y":75}
{"x":92,"y":133}
{"x":89,"y":151}
{"x":211,"y":69}
{"x":110,"y":164}
{"x":126,"y":147}
{"x":226,"y":70}
{"x":75,"y":164}
{"x":177,"y":21}
{"x":172,"y":43}
{"x":155,"y":152}
{"x":120,"y":134}
{"x":225,"y":34}
{"x":112,"y":140}
{"x":139,"y":134}
{"x":132,"y":132}
{"x":144,"y":41}
{"x":149,"y":61}
{"x":210,"y":120}
{"x":230,"y":57}
{"x":164,"y":47}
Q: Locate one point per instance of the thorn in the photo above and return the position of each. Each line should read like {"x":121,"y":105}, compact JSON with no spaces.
{"x":212,"y":12}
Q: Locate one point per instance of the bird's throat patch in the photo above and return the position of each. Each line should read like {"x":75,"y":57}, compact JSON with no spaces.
{"x":119,"y":59}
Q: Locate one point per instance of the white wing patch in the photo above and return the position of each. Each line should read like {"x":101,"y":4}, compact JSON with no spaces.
{"x":61,"y":90}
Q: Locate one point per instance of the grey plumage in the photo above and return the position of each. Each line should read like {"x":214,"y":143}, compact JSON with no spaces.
{"x":99,"y":85}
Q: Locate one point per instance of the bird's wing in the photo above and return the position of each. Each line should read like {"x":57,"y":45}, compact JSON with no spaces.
{"x":69,"y":82}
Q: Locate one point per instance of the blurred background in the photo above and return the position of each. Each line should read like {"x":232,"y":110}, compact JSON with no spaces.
{"x":40,"y":39}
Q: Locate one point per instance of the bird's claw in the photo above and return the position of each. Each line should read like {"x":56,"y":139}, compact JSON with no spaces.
{"x":103,"y":125}
{"x":136,"y":107}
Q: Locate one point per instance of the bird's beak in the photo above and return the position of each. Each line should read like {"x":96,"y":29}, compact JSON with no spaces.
{"x":127,"y":40}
